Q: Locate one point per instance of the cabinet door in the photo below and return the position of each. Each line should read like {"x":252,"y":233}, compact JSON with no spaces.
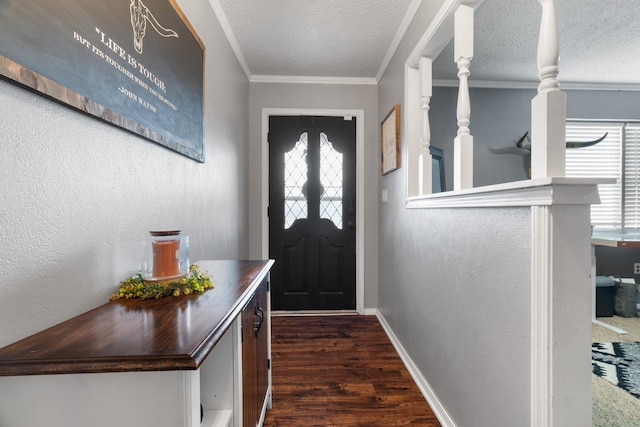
{"x":249,"y":366}
{"x":262,"y":305}
{"x":255,"y":356}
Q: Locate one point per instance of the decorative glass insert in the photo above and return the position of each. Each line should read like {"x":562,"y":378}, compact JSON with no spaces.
{"x":331,"y":182}
{"x":295,"y":177}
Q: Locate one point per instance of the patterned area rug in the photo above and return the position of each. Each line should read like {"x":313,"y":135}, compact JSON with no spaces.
{"x":618,"y":363}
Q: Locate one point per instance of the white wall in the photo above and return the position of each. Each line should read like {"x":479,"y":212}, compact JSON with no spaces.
{"x":320,"y":97}
{"x":79,"y":195}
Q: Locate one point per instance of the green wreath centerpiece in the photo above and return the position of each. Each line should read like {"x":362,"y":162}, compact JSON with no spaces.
{"x":137,"y":287}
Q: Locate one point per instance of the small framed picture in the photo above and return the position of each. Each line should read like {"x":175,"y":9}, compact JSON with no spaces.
{"x":390,"y":140}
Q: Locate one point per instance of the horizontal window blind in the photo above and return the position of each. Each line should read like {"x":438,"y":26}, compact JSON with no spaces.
{"x":603,"y":160}
{"x":631,"y":176}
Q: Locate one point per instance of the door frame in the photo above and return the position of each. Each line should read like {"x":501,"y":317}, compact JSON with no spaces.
{"x":264,"y":202}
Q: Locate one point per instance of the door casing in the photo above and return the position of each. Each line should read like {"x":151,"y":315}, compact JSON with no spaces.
{"x":360,"y":221}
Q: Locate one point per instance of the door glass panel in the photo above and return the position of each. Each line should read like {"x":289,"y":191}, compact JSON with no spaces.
{"x":331,"y":182}
{"x":295,"y":178}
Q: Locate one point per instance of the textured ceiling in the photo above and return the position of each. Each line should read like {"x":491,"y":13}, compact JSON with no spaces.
{"x":599,"y":42}
{"x":328,"y":38}
{"x":599,"y":39}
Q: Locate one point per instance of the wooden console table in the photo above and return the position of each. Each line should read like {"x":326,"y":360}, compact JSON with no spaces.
{"x":150,"y":363}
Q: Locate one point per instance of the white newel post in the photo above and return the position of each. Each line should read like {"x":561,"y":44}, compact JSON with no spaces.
{"x":463,"y":144}
{"x":561,"y":306}
{"x":426,"y":82}
{"x":549,"y":107}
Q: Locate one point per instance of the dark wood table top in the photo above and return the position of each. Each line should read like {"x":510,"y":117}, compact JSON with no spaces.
{"x":172,"y":333}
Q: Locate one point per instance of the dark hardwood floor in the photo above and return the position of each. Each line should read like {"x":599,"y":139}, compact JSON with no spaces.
{"x":340,"y":371}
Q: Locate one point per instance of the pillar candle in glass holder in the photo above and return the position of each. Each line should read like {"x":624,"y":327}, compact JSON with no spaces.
{"x":166,"y":259}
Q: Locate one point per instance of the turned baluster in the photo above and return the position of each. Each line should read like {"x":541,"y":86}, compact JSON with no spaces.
{"x":548,"y":48}
{"x":426,"y":81}
{"x":463,"y":53}
{"x":548,"y":108}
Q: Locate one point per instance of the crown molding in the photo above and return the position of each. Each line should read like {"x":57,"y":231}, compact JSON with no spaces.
{"x":314,"y":80}
{"x":228,"y":32}
{"x":402,"y":29}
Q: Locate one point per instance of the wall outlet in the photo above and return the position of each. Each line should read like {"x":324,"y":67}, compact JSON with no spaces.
{"x":636,"y":268}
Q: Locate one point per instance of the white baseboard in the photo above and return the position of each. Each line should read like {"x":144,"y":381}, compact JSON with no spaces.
{"x":366,"y":312}
{"x":426,"y":390}
{"x":286,"y":313}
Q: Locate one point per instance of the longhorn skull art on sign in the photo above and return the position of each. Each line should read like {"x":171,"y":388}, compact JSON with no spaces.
{"x":140,"y":15}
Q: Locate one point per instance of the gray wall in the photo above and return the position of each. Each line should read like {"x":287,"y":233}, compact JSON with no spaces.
{"x":455,"y":289}
{"x":317,"y":97}
{"x":79,"y":196}
{"x":499,"y":117}
{"x":454,"y":286}
{"x":454,"y":283}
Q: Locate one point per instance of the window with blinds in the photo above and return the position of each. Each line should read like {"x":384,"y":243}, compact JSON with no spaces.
{"x":617,"y":156}
{"x":632,"y":176}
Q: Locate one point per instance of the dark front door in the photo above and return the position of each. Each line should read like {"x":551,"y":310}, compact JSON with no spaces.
{"x":312,"y":212}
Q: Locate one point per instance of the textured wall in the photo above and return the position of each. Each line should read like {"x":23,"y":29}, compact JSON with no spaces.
{"x":454,"y":285}
{"x":78,"y":195}
{"x":500,"y":116}
{"x":455,"y":288}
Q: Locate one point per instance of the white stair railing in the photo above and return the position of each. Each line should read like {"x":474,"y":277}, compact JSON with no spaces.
{"x":463,"y":143}
{"x":549,"y":106}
